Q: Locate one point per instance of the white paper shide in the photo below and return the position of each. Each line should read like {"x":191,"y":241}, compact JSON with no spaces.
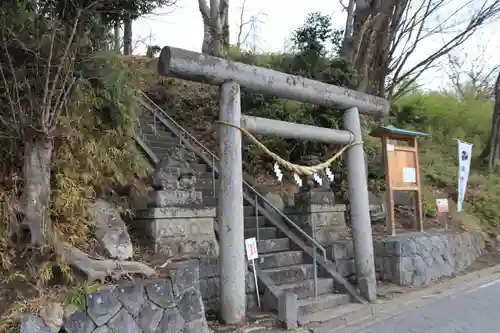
{"x":464,"y":157}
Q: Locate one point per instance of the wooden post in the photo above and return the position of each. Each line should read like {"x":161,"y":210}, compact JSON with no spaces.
{"x":390,"y":218}
{"x":419,"y":221}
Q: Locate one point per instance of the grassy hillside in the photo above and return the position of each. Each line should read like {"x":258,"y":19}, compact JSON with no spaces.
{"x":448,"y":118}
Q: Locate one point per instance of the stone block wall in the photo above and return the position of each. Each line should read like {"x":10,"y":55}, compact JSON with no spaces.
{"x":414,"y":259}
{"x":170,"y":305}
{"x":341,"y":253}
{"x":321,"y":219}
{"x":210,"y":285}
{"x":179,"y":231}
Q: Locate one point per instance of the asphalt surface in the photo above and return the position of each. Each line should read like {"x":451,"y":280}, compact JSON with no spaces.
{"x":473,"y":310}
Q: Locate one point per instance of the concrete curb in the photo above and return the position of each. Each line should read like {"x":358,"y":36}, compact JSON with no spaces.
{"x":396,"y":305}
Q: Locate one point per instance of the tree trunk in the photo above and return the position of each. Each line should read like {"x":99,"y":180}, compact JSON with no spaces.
{"x":207,"y":40}
{"x":225,"y":24}
{"x":116,"y":37}
{"x":35,"y":201}
{"x":493,"y":147}
{"x":215,"y":26}
{"x":349,"y":28}
{"x":127,"y":35}
{"x":371,"y":40}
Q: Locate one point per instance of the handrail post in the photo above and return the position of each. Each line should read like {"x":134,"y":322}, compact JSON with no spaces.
{"x":257,"y":216}
{"x":315,"y":272}
{"x":214,"y":188}
{"x":154,"y":123}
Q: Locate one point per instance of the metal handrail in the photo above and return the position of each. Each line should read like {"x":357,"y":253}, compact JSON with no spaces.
{"x":296,"y":227}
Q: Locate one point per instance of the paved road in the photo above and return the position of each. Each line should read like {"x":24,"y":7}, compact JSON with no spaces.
{"x":474,"y":310}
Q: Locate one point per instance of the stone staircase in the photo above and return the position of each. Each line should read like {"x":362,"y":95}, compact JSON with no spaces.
{"x":283,"y":265}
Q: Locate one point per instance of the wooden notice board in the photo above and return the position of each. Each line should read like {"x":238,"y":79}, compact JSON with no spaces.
{"x":400,"y":153}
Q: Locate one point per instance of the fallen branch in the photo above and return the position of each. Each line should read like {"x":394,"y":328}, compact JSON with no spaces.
{"x":99,"y":270}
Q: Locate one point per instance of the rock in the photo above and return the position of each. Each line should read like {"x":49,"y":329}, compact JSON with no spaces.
{"x":277,"y":202}
{"x":103,"y":329}
{"x":123,"y":322}
{"x":111,"y":231}
{"x":160,"y":292}
{"x":132,"y":297}
{"x":33,"y":324}
{"x":150,"y":317}
{"x":78,"y":322}
{"x":190,"y":305}
{"x":69,"y":310}
{"x":171,"y":322}
{"x":184,"y":275}
{"x":174,"y":172}
{"x":52,"y":315}
{"x":101,"y":306}
{"x":196,"y":326}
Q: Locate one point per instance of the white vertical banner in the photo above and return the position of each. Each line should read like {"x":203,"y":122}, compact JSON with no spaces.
{"x":464,"y":157}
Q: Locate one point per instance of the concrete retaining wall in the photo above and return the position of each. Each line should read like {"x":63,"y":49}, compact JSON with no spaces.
{"x":415,"y":259}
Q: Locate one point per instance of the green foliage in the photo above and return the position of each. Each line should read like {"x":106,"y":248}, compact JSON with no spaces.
{"x":76,"y":295}
{"x":109,"y":11}
{"x":314,"y":42}
{"x":315,"y":35}
{"x":448,"y":118}
{"x":152,"y":51}
{"x":94,"y":154}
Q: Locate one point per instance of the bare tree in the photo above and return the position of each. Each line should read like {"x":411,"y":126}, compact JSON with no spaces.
{"x":127,"y":34}
{"x":492,"y":150}
{"x":386,"y":34}
{"x":471,"y":77}
{"x":251,"y":23}
{"x":116,"y":37}
{"x":349,"y":27}
{"x":215,"y":26}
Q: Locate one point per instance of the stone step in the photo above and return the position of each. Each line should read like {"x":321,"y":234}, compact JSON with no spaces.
{"x":305,"y":288}
{"x":166,"y":149}
{"x":206,"y":175}
{"x":306,"y":306}
{"x":251,"y":221}
{"x":273,"y":245}
{"x":289,"y":274}
{"x":206,"y":182}
{"x":249,"y":210}
{"x":196,"y":167}
{"x":160,"y":133}
{"x":280,"y":259}
{"x":264,"y":233}
{"x":165,"y":146}
{"x":328,"y":320}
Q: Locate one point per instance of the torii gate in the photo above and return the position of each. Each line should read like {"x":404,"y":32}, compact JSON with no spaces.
{"x":229,"y":76}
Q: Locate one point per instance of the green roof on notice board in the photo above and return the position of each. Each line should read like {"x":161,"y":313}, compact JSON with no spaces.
{"x":389,"y":130}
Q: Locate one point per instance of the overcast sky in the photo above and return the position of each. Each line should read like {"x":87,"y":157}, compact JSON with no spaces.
{"x":181,"y":27}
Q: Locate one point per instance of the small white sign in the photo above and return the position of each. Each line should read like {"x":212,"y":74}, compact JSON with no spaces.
{"x":252,"y":254}
{"x":390,"y":147}
{"x":409,"y":175}
{"x":251,"y":246}
{"x":442,"y":205}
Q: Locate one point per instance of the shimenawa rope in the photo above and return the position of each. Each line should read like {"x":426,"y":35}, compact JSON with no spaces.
{"x":301,"y":170}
